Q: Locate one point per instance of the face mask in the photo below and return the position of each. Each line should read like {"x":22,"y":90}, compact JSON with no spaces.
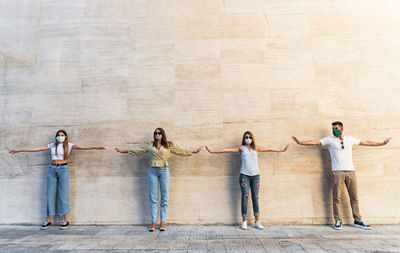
{"x":60,"y":138}
{"x":248,"y":141}
{"x":336,"y":132}
{"x":157,"y":137}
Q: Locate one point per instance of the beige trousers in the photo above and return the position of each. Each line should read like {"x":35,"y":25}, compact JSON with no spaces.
{"x":341,"y":180}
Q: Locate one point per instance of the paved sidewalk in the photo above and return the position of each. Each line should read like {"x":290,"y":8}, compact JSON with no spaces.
{"x":199,"y":239}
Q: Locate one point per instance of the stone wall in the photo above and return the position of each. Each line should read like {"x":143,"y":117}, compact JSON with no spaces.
{"x":110,"y":72}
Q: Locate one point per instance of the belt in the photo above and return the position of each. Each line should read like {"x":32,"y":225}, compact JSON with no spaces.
{"x":61,"y":164}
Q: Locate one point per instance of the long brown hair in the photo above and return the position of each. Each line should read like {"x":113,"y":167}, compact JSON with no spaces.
{"x":164,"y":142}
{"x":253,"y":143}
{"x":65,"y":144}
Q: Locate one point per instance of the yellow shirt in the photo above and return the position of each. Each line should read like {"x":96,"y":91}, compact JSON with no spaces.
{"x":159,"y":157}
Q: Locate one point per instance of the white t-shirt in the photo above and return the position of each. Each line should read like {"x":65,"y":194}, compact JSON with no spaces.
{"x":341,"y":158}
{"x":60,"y":151}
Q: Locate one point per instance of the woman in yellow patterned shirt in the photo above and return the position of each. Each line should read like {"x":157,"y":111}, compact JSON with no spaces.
{"x":160,"y":149}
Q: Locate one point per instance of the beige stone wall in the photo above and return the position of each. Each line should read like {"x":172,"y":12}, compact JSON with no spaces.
{"x":110,"y":72}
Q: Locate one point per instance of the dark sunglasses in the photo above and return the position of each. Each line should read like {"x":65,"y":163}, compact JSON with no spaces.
{"x":248,"y":137}
{"x":341,"y":142}
{"x":157,"y":133}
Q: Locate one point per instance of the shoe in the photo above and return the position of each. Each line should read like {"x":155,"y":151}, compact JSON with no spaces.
{"x":46,"y":225}
{"x":162,"y":226}
{"x":65,"y":225}
{"x":258,"y":225}
{"x":362,"y":224}
{"x":338,"y":225}
{"x":244,"y":225}
{"x":153,"y":227}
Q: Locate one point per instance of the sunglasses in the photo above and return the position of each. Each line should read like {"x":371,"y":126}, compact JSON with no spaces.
{"x":248,"y":137}
{"x":157,"y":133}
{"x":341,"y":142}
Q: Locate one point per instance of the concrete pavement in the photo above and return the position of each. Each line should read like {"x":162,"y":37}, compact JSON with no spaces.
{"x":199,"y":239}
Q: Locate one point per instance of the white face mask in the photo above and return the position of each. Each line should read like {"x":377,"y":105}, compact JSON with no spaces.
{"x":60,"y":138}
{"x":157,"y":137}
{"x":248,"y":141}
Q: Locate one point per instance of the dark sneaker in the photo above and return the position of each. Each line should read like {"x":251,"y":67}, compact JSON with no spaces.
{"x":65,"y":225}
{"x":338,"y":225}
{"x":46,"y":225}
{"x":362,"y":224}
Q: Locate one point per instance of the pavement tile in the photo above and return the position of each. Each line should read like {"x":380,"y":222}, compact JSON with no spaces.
{"x":312,"y":248}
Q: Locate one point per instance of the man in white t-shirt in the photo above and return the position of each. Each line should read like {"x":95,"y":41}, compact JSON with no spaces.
{"x":344,"y":176}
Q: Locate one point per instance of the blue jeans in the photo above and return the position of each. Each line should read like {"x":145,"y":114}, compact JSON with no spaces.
{"x":158,"y":176}
{"x":58,"y":183}
{"x":252,"y":182}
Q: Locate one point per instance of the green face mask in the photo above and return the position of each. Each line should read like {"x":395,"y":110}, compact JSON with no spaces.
{"x":336,"y":132}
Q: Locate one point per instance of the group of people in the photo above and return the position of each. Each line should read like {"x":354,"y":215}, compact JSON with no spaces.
{"x":160,"y":149}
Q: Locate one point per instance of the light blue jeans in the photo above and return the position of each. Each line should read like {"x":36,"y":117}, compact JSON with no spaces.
{"x":58,"y":184}
{"x":252,"y":183}
{"x":158,"y":176}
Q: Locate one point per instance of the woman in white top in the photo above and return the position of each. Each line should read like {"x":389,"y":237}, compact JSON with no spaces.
{"x":58,"y":172}
{"x":249,"y":173}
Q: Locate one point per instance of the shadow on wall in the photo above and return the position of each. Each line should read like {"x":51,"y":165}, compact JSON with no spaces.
{"x":42,"y":198}
{"x":234,"y":193}
{"x":326,"y":184}
{"x":140,"y":198}
{"x":120,"y":190}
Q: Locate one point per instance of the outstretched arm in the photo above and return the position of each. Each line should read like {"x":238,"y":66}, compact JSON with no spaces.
{"x":86,"y":148}
{"x":264,"y":149}
{"x":228,"y":150}
{"x":121,"y":150}
{"x":144,"y":148}
{"x":198,"y":150}
{"x":374,"y":143}
{"x":307,"y":143}
{"x":177,"y":150}
{"x":13,"y":151}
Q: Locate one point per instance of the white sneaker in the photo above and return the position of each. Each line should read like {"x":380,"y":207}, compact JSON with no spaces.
{"x":244,"y":225}
{"x":258,"y":225}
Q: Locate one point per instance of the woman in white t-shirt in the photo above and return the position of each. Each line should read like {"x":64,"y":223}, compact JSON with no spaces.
{"x":58,"y":172}
{"x":249,"y":178}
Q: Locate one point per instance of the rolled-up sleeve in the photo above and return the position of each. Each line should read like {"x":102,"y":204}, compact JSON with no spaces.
{"x":324,"y":141}
{"x":175,"y":149}
{"x":356,"y":141}
{"x":137,"y":151}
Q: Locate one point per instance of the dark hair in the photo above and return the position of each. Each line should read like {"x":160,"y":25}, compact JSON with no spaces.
{"x":164,"y":142}
{"x":253,"y":143}
{"x":337,"y":123}
{"x":65,"y":143}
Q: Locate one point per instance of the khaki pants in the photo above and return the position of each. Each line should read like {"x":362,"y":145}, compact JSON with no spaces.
{"x":342,"y":179}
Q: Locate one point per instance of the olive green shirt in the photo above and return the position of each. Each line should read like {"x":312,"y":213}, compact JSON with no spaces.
{"x":159,"y":158}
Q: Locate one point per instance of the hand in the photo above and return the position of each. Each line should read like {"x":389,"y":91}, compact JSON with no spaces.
{"x":198,"y":150}
{"x":386,"y":141}
{"x":295,"y":140}
{"x":12,"y":151}
{"x":118,"y":150}
{"x":286,"y":147}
